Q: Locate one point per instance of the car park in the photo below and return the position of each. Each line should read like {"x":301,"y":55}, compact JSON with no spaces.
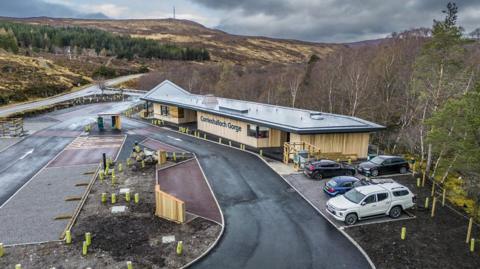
{"x":374,"y":200}
{"x":383,"y":164}
{"x":339,"y":185}
{"x":327,"y":169}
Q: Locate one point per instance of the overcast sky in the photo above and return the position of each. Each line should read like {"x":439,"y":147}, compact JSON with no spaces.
{"x":311,"y":20}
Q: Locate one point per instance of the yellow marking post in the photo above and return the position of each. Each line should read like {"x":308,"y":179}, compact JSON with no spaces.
{"x":179,"y":247}
{"x":113,"y":198}
{"x":88,"y":239}
{"x":404,"y":233}
{"x":127,"y":196}
{"x":2,"y":250}
{"x":472,"y":244}
{"x":84,"y":248}
{"x":68,"y":237}
{"x":426,"y":202}
{"x":104,"y":197}
{"x":136,"y":198}
{"x":129,"y":265}
{"x":469,"y":230}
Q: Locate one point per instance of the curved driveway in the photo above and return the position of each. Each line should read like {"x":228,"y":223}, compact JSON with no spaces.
{"x":268,"y":225}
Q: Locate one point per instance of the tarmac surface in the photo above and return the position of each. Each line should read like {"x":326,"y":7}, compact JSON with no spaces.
{"x":268,"y":224}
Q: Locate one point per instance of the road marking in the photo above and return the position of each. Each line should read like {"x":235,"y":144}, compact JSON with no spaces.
{"x":26,"y":154}
{"x":178,"y":139}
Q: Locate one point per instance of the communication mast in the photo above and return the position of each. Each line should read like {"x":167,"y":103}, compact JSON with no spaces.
{"x":173,"y":12}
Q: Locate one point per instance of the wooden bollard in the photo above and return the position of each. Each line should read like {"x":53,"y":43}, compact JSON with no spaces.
{"x":469,"y":230}
{"x":444,"y":194}
{"x":101,"y":175}
{"x":434,"y":202}
{"x":84,"y":248}
{"x":88,"y":239}
{"x":113,"y":198}
{"x":18,"y":266}
{"x":472,"y":245}
{"x":204,"y":136}
{"x":230,"y":143}
{"x":68,"y":237}
{"x":433,"y":189}
{"x":261,"y":152}
{"x":2,"y":250}
{"x":143,"y":163}
{"x":426,"y":202}
{"x":136,"y":198}
{"x":129,"y":162}
{"x":349,"y":161}
{"x":179,"y":247}
{"x":120,"y":167}
{"x":423,"y":179}
{"x":127,"y":196}
{"x":403,"y":234}
{"x":129,"y":265}
{"x":104,"y":197}
{"x":418,"y":182}
{"x":220,"y":140}
{"x":174,"y":157}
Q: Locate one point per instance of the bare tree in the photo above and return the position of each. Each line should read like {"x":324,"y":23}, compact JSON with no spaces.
{"x":294,"y":86}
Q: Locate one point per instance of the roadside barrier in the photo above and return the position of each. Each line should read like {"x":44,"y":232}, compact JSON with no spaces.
{"x":168,"y":206}
{"x":68,"y":237}
{"x":179,"y":247}
{"x":88,"y":239}
{"x":403,"y":234}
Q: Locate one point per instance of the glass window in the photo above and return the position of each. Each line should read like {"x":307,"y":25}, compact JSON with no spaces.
{"x":400,"y":193}
{"x":347,"y":184}
{"x":370,"y":199}
{"x":181,"y":113}
{"x":382,"y":196}
{"x":164,"y":110}
{"x":354,"y":196}
{"x":257,"y":131}
{"x":377,"y":160}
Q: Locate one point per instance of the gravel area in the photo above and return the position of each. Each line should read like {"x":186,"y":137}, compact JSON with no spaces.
{"x":29,"y":216}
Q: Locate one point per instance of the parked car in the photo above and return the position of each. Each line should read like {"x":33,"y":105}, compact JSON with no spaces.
{"x":326,"y":169}
{"x":339,"y":185}
{"x":383,"y":164}
{"x":371,"y":201}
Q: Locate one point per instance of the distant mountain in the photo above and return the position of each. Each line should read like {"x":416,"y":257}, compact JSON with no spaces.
{"x":93,"y":16}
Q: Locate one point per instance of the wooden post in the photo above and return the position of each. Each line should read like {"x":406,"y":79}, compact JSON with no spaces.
{"x":2,"y":250}
{"x":426,"y":202}
{"x":433,"y":207}
{"x":472,"y":245}
{"x":418,"y":182}
{"x":433,"y":188}
{"x":404,"y":233}
{"x":88,"y":239}
{"x":423,"y":179}
{"x":68,"y":237}
{"x":444,"y":194}
{"x":469,"y":230}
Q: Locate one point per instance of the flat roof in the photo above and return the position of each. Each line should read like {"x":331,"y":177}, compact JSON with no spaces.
{"x":283,"y":118}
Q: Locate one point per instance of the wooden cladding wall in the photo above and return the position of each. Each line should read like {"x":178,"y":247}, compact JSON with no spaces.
{"x":232,"y":132}
{"x":345,"y":143}
{"x":169,"y":207}
{"x":173,"y":114}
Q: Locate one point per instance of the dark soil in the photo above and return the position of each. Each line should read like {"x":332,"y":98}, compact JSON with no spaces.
{"x":135,"y":235}
{"x":437,"y":242}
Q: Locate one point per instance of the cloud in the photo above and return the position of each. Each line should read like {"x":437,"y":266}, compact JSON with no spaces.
{"x":334,"y":20}
{"x":36,"y":8}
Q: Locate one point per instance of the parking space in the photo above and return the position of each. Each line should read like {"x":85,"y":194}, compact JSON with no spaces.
{"x":313,"y":191}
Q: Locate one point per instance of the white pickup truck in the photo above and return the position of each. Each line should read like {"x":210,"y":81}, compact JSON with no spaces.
{"x":371,"y":201}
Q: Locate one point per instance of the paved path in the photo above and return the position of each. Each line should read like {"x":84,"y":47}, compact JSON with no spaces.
{"x":5,"y":111}
{"x":268,"y":225}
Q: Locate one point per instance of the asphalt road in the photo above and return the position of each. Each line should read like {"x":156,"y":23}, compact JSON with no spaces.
{"x":24,"y":159}
{"x":94,"y":89}
{"x":268,"y":225}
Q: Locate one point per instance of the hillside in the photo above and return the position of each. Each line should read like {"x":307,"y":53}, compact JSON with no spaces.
{"x":221,"y":45}
{"x":23,"y":78}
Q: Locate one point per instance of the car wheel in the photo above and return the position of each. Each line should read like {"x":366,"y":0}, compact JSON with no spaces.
{"x":351,"y":219}
{"x":317,"y":176}
{"x":395,"y":212}
{"x":374,"y":172}
{"x":403,"y":170}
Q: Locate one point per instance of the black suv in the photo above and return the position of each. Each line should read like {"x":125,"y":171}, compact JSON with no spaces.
{"x":383,"y":164}
{"x":327,"y":168}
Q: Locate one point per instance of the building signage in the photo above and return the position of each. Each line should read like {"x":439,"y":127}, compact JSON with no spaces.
{"x":222,"y":123}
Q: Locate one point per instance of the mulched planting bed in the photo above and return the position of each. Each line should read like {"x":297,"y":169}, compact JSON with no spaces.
{"x":437,"y":242}
{"x":135,"y":235}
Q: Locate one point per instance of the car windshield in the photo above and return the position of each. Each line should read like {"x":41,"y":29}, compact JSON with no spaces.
{"x":354,"y":196}
{"x":377,"y":160}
